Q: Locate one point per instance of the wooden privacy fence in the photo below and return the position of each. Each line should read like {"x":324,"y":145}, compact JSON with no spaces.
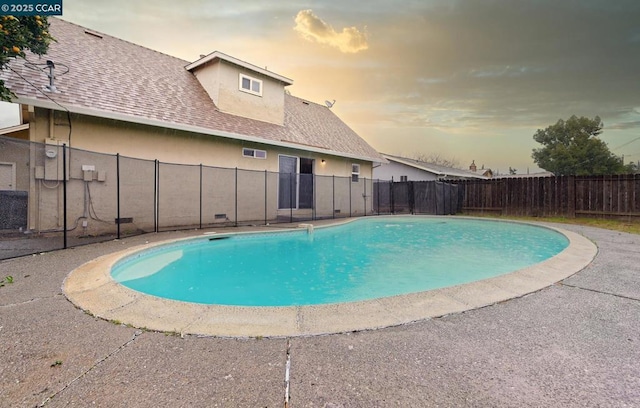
{"x":568,"y":196}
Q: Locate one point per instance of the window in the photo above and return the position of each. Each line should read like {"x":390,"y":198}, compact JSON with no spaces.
{"x":355,"y":173}
{"x":404,"y":178}
{"x":255,"y":153}
{"x":250,"y":85}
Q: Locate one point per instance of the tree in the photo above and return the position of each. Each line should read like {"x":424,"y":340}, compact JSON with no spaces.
{"x":572,"y":147}
{"x":17,"y":35}
{"x":512,"y":171}
{"x":632,"y":168}
{"x":435,"y":158}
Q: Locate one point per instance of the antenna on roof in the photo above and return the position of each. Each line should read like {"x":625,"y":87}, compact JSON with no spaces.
{"x":51,"y":67}
{"x":330,"y":104}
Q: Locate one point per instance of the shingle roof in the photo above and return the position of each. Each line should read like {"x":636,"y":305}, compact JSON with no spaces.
{"x":434,"y":168}
{"x":110,"y":77}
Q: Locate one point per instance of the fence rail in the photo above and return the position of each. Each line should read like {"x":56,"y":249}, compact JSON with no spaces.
{"x":611,"y":196}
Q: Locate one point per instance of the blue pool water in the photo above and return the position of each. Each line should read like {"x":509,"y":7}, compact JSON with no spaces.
{"x":365,"y":259}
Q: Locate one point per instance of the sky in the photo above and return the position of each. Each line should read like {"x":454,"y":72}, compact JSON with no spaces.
{"x":460,"y":79}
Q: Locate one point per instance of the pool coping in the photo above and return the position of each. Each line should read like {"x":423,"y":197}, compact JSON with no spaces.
{"x":90,"y":287}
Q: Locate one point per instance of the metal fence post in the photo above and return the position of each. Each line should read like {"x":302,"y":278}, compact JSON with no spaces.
{"x":313,"y":210}
{"x":333,"y":193}
{"x":391,"y":195}
{"x":378,"y":195}
{"x":350,"y":185}
{"x":265,"y":198}
{"x":291,"y":197}
{"x":156,"y":167}
{"x":365,"y":196}
{"x":236,"y":215}
{"x":118,"y":193}
{"x":64,"y":196}
{"x":411,"y":196}
{"x":200,"y":195}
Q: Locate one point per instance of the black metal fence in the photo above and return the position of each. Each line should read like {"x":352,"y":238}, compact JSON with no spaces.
{"x":55,"y":197}
{"x":417,"y":197}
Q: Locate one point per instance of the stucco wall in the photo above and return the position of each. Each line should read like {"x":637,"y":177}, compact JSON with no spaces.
{"x":221,"y":81}
{"x":173,"y":146}
{"x":92,"y":207}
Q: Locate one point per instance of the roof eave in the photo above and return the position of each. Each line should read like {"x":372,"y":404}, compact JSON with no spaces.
{"x":189,"y":128}
{"x":219,"y":55}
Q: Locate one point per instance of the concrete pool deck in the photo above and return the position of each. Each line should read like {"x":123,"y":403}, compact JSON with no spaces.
{"x":572,"y":344}
{"x":91,"y":288}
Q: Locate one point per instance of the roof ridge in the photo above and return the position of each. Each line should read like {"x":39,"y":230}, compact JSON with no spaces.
{"x":121,"y":39}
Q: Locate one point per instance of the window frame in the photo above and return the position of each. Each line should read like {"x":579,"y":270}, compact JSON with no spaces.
{"x":254,"y":152}
{"x":355,"y":172}
{"x":404,"y":178}
{"x":252,"y":81}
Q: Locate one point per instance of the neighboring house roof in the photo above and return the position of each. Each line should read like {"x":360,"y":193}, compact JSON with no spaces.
{"x":531,"y":175}
{"x":116,"y":79}
{"x":12,"y":129}
{"x":440,"y":171}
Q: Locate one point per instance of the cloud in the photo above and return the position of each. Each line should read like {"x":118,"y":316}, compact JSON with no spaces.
{"x":350,"y":40}
{"x":625,"y":125}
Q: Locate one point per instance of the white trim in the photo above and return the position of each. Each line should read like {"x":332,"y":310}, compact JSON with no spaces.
{"x":189,"y":128}
{"x":252,"y":81}
{"x":218,"y":55}
{"x":355,"y":173}
{"x":297,"y":173}
{"x":12,"y":129}
{"x":254,"y":151}
{"x":13,"y":174}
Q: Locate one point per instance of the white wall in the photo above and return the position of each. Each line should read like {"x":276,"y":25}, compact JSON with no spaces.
{"x":395,"y":170}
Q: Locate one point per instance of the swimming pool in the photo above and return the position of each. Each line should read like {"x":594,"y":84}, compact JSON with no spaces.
{"x":92,"y":288}
{"x":365,"y":259}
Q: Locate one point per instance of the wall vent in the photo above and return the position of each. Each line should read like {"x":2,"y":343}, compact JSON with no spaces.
{"x":93,"y":33}
{"x":221,"y":216}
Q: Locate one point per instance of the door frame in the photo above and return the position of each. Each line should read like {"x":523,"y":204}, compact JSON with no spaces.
{"x":12,"y":176}
{"x":297,"y":188}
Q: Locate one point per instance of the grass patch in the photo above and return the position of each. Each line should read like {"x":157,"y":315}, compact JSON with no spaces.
{"x":614,"y":225}
{"x":6,"y":280}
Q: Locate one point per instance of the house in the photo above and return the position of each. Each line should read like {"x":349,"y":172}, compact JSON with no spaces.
{"x":98,"y":93}
{"x":405,"y":169}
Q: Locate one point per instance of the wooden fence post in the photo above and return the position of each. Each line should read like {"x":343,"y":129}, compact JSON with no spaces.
{"x":571,"y":196}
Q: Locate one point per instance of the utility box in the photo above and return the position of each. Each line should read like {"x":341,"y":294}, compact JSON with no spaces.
{"x":53,"y":160}
{"x":39,"y":173}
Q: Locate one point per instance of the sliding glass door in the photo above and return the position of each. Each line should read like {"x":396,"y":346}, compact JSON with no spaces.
{"x":295,"y":182}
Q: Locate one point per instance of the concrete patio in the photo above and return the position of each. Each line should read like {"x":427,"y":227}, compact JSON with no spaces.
{"x":575,"y":343}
